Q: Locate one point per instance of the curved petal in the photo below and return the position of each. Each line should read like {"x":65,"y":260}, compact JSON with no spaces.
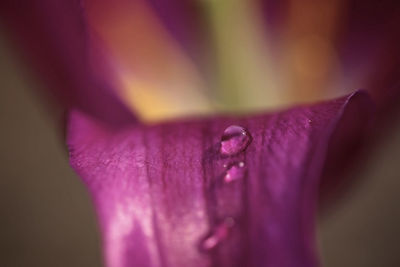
{"x":159,"y":190}
{"x":350,"y":139}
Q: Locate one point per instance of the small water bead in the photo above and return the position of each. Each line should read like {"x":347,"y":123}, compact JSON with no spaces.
{"x":235,"y":172}
{"x":235,"y":139}
{"x":219,"y":234}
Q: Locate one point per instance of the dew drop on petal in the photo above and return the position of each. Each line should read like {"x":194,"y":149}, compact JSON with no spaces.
{"x":235,"y":172}
{"x":218,"y":234}
{"x":235,"y":139}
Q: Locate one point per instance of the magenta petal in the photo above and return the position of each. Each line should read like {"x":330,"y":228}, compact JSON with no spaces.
{"x":159,"y":190}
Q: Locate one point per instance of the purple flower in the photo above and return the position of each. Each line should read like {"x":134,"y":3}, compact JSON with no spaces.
{"x":182,"y":192}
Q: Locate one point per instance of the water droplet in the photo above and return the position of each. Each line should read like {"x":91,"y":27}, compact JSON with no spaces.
{"x":235,"y":139}
{"x":235,"y":172}
{"x":218,"y":234}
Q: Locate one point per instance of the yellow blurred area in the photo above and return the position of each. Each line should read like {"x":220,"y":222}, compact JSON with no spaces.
{"x":159,"y":80}
{"x":153,"y":101}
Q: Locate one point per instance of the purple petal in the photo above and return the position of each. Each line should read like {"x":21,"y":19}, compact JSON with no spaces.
{"x":159,"y":190}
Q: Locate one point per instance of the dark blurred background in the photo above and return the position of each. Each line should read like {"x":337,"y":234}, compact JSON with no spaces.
{"x":47,"y":218}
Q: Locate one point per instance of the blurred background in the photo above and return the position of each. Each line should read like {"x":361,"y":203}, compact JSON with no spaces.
{"x":46,"y":215}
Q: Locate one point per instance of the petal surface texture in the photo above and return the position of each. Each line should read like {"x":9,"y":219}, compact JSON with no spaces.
{"x":160,"y":194}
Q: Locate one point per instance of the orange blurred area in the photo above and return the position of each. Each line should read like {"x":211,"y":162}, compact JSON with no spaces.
{"x":153,"y":74}
{"x":252,"y":68}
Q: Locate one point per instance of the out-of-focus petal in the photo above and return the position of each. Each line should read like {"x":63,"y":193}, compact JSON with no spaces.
{"x":331,"y":47}
{"x":159,"y":191}
{"x":153,"y":74}
{"x":53,"y":36}
{"x":367,"y":44}
{"x":186,"y":21}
